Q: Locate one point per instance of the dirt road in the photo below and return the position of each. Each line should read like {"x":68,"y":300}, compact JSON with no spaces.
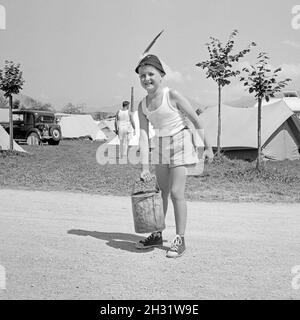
{"x":57,"y":245}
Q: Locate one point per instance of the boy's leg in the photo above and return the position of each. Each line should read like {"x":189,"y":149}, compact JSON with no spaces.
{"x":177,"y":188}
{"x":163,"y":180}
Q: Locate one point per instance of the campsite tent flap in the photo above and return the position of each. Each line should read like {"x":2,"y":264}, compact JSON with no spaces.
{"x":76,"y":126}
{"x":4,"y":141}
{"x":4,"y":115}
{"x":292,"y":102}
{"x":239,"y":129}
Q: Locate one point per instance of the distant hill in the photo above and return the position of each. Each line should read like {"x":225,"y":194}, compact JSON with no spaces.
{"x":4,"y":102}
{"x":26,"y":102}
{"x":23,"y":98}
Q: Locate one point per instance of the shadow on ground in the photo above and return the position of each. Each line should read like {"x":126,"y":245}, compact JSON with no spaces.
{"x":116,"y":240}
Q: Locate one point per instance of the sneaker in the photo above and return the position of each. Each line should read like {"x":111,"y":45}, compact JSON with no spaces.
{"x":177,"y":248}
{"x":154,"y":240}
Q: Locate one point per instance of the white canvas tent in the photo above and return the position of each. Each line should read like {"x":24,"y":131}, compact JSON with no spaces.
{"x":4,"y":141}
{"x":107,"y":124}
{"x":4,"y":115}
{"x":76,"y":126}
{"x":134,"y":141}
{"x":280,"y":130}
{"x":292,"y":102}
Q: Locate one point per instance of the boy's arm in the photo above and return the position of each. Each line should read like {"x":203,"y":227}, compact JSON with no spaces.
{"x":144,"y":140}
{"x":184,"y":105}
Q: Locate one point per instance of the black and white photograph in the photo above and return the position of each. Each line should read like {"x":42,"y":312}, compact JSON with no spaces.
{"x":149,"y":151}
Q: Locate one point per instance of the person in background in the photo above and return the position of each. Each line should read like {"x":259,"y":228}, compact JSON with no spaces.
{"x":123,"y":126}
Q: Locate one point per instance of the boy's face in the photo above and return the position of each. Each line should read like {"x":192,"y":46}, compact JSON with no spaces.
{"x":150,"y":78}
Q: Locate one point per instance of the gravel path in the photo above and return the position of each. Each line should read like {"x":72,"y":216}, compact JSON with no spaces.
{"x":59,"y":245}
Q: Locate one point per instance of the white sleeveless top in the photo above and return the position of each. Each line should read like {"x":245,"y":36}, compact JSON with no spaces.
{"x":123,"y":118}
{"x":166,"y":119}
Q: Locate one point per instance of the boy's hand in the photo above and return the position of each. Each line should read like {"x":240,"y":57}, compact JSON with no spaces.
{"x":208,"y":155}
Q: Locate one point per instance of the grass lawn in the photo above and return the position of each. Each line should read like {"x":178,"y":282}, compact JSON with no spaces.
{"x":72,"y":166}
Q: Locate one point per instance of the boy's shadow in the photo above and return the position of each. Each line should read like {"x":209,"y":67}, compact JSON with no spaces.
{"x":117,"y":240}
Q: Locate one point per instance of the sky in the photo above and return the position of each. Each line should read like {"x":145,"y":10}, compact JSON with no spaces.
{"x":85,"y":51}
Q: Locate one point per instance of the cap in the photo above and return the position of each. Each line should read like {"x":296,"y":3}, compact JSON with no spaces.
{"x":125,"y":103}
{"x":151,"y":60}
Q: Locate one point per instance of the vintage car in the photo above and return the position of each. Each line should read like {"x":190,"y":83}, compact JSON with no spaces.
{"x":35,"y":127}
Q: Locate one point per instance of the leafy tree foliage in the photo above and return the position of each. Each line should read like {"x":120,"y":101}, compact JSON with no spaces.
{"x":261,"y":81}
{"x":11,"y":79}
{"x":71,"y":108}
{"x":11,"y":82}
{"x":219,"y":67}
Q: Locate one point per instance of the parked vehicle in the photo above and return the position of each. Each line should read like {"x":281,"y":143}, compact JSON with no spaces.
{"x":34,"y":127}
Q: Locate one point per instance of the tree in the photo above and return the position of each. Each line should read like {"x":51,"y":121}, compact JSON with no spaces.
{"x":219,"y":68}
{"x":47,"y":107}
{"x":261,"y":81}
{"x":38,"y":105}
{"x":30,"y":103}
{"x":11,"y":82}
{"x":71,"y":108}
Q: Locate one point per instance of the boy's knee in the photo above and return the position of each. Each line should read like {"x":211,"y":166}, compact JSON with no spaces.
{"x":177,"y":194}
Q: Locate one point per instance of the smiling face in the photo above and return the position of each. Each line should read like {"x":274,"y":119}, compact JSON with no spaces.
{"x":150,"y":78}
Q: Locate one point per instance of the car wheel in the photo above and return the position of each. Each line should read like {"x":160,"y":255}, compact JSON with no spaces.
{"x":33,"y":139}
{"x":55,"y":133}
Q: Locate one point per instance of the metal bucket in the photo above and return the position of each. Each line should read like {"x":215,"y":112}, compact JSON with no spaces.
{"x":147,"y":212}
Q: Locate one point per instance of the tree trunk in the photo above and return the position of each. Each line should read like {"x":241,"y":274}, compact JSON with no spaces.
{"x":259,"y":160}
{"x":11,"y":127}
{"x":219,"y":124}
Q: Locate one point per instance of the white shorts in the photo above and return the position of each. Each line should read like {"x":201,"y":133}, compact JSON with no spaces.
{"x":176,"y":150}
